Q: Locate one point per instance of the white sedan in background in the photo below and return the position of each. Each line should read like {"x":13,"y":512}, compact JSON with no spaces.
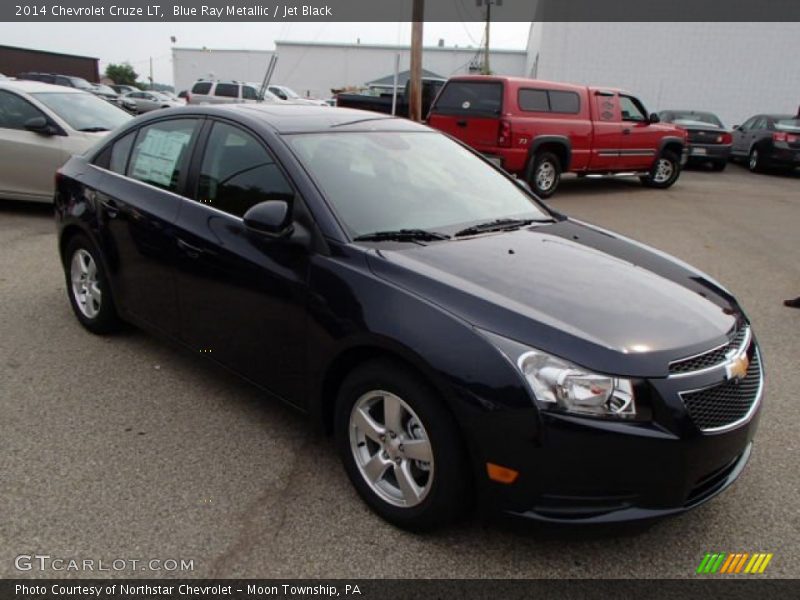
{"x":145,"y":101}
{"x":41,"y":126}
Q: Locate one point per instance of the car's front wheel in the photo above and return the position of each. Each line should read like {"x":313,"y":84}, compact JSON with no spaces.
{"x":87,"y":287}
{"x":400,"y":447}
{"x":664,"y":172}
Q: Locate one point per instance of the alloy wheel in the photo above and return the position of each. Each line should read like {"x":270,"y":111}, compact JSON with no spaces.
{"x":664,"y":170}
{"x":85,"y":284}
{"x":545,"y":176}
{"x":753,"y":164}
{"x":391,"y":448}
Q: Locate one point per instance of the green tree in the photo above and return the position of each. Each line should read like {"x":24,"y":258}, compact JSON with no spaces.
{"x":122,"y":74}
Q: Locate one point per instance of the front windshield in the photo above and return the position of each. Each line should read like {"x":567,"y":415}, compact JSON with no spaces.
{"x":83,"y":112}
{"x":787,"y":125}
{"x":392,"y":180}
{"x":695,"y":118}
{"x":289,"y":93}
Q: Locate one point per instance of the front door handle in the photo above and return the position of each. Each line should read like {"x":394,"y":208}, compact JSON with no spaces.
{"x":626,"y":131}
{"x":112,"y":209}
{"x":191,"y":251}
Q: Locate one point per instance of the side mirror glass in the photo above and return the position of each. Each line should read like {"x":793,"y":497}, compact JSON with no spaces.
{"x":272,"y":218}
{"x":39,"y":125}
{"x":654,"y":118}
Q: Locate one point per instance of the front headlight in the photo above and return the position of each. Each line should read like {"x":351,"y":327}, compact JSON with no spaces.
{"x":566,"y":386}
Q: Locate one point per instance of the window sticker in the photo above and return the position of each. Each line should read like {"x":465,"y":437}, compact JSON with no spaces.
{"x":159,"y":154}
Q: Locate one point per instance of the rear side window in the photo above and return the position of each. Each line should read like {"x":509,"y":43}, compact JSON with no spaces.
{"x":160,"y":152}
{"x":549,"y":101}
{"x":471,"y":98}
{"x":227,"y":90}
{"x":534,"y":100}
{"x":238,"y":173}
{"x":202,"y":87}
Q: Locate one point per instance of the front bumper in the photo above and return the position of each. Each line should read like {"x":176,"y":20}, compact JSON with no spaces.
{"x":587,"y":470}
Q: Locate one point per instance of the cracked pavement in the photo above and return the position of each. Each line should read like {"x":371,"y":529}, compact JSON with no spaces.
{"x":125,"y":447}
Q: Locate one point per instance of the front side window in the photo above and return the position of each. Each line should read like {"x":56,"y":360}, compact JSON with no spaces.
{"x":160,"y":153}
{"x":84,"y":112}
{"x":238,"y":173}
{"x":632,"y":109}
{"x":390,"y":180}
{"x":249,"y":93}
{"x":227,"y":90}
{"x":14,"y":111}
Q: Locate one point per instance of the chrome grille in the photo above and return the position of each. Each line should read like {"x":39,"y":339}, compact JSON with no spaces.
{"x":728,"y":403}
{"x":712,"y":357}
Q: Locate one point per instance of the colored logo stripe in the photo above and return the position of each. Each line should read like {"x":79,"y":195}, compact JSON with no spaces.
{"x":737,"y":562}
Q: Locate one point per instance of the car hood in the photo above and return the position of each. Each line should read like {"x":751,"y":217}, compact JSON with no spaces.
{"x":593,"y":297}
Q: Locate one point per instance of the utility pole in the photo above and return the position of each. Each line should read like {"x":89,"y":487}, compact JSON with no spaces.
{"x":151,"y":72}
{"x":415,"y":76}
{"x":485,"y":70}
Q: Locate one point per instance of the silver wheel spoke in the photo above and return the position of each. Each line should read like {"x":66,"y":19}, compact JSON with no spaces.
{"x":411,"y":491}
{"x":376,"y":468}
{"x":418,"y":450}
{"x":368,"y":425}
{"x":392,"y":414}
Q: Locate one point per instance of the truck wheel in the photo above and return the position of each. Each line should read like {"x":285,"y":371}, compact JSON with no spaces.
{"x":544,"y":174}
{"x":665,"y":171}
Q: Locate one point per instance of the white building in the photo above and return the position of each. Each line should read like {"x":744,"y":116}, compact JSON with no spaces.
{"x":316,"y":67}
{"x":733,"y":69}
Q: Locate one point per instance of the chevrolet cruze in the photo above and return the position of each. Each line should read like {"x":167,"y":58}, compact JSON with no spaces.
{"x":459,"y":339}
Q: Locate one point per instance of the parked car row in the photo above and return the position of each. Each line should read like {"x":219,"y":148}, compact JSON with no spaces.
{"x":212,"y":91}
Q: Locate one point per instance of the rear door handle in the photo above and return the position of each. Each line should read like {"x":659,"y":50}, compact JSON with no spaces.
{"x":626,"y":131}
{"x":112,"y":209}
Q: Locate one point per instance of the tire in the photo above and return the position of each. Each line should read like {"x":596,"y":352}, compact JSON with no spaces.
{"x":755,"y":161}
{"x":719,"y":165}
{"x":87,"y":287}
{"x":410,"y":493}
{"x":544,"y":174}
{"x":665,"y":171}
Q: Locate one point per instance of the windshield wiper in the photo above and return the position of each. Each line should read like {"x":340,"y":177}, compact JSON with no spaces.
{"x":94,"y":129}
{"x":498,"y":225}
{"x":402,"y":235}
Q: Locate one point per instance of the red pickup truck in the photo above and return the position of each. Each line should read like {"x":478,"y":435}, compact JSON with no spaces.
{"x":538,"y":130}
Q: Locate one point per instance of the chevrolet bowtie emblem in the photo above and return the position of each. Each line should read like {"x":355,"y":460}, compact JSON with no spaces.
{"x":737,"y":368}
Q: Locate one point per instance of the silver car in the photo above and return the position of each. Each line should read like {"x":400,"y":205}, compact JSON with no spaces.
{"x":41,"y":126}
{"x":142,"y":102}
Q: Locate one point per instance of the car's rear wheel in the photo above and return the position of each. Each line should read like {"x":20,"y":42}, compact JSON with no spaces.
{"x":755,"y":162}
{"x":544,"y":174}
{"x":400,"y":447}
{"x":664,"y":172}
{"x":87,"y":287}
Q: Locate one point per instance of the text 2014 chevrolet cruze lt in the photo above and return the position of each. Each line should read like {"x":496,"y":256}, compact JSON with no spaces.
{"x":459,"y":339}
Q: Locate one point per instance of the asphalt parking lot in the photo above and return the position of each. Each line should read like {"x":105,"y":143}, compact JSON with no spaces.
{"x":125,"y":447}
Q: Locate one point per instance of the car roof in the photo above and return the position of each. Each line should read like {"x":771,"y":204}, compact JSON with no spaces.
{"x":31,"y":87}
{"x":303,"y":118}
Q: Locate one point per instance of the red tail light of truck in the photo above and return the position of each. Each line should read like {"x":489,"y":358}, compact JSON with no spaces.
{"x":504,"y":134}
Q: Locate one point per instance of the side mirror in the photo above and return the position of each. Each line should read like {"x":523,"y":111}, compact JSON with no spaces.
{"x":737,"y":127}
{"x":272,"y":218}
{"x":39,"y":125}
{"x":654,"y":118}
